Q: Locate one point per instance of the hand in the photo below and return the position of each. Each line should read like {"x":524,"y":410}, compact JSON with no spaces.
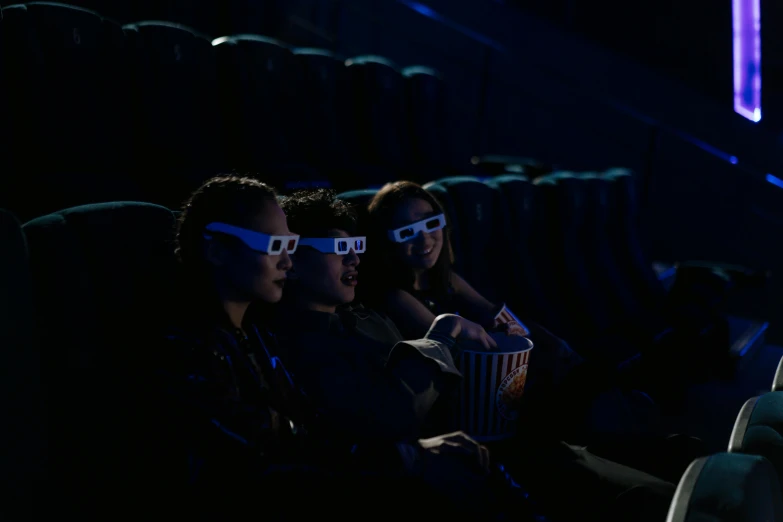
{"x":460,"y":328}
{"x":458,"y":444}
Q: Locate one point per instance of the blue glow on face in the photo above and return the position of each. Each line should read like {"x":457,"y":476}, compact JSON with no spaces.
{"x":733,"y":160}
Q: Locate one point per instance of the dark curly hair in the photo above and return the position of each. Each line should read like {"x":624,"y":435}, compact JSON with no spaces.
{"x":381,"y":267}
{"x":234,"y":200}
{"x":313,"y":212}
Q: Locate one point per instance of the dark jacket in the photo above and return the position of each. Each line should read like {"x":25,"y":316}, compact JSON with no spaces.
{"x":356,"y":365}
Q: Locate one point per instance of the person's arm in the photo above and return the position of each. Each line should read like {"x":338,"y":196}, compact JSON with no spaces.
{"x":201,"y":412}
{"x":361,"y":399}
{"x":478,"y":308}
{"x":411,"y":317}
{"x":367,"y":400}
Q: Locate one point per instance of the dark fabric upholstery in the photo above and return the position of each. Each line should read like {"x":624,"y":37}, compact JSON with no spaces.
{"x":475,"y":218}
{"x":103,"y":281}
{"x":23,"y":463}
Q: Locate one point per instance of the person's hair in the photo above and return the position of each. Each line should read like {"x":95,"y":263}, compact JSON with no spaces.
{"x":383,"y":269}
{"x":313,"y":213}
{"x":233,"y":200}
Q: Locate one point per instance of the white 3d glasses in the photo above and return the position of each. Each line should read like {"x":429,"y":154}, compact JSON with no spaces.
{"x":408,"y":232}
{"x":336,"y":245}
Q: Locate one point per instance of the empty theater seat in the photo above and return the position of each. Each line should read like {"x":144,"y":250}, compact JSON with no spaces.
{"x":64,"y":106}
{"x":103,"y":277}
{"x":325,"y":98}
{"x":479,"y":245}
{"x":174,"y":101}
{"x":635,"y":266}
{"x":425,"y":117}
{"x":777,"y":382}
{"x":728,"y":488}
{"x":378,"y":112}
{"x":517,"y":200}
{"x":259,"y":83}
{"x":22,"y":464}
{"x":758,"y":429}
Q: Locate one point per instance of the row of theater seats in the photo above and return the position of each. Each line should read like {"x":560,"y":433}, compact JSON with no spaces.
{"x":84,"y":289}
{"x":564,"y":250}
{"x":96,"y":111}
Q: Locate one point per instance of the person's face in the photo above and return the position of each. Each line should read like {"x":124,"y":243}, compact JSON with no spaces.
{"x":422,"y":251}
{"x":325,"y":281}
{"x":249,"y":275}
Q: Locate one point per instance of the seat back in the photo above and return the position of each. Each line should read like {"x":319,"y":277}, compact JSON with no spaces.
{"x":555,"y":244}
{"x":103,"y":281}
{"x":259,"y":80}
{"x":758,"y":429}
{"x":324,"y":96}
{"x":517,"y":198}
{"x":359,"y":200}
{"x":378,"y":111}
{"x":728,"y":488}
{"x":480,"y":248}
{"x":629,"y":250}
{"x":425,"y":116}
{"x":23,"y":463}
{"x":64,"y":105}
{"x":777,"y":381}
{"x":175,"y":109}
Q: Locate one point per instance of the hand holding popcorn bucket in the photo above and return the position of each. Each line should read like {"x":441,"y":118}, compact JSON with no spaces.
{"x":492,"y":387}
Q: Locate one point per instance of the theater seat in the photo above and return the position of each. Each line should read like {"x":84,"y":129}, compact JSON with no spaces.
{"x":517,"y":201}
{"x":495,"y":165}
{"x":175,"y":109}
{"x":104,"y":277}
{"x":259,"y":82}
{"x":64,"y":106}
{"x":480,"y":248}
{"x":359,"y":201}
{"x":378,"y":112}
{"x":325,"y":99}
{"x":728,"y":488}
{"x":22,"y":464}
{"x":777,"y":382}
{"x":425,"y":117}
{"x":758,"y":429}
{"x":630,"y":252}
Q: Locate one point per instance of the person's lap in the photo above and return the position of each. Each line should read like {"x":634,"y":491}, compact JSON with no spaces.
{"x":570,"y":483}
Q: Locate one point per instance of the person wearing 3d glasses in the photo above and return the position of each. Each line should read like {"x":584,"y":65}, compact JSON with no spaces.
{"x":237,"y":433}
{"x":341,"y":352}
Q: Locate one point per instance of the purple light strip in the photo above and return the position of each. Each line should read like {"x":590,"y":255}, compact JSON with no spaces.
{"x":747,"y":58}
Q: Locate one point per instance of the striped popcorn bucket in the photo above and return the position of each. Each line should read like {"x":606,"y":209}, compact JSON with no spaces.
{"x":492,"y":388}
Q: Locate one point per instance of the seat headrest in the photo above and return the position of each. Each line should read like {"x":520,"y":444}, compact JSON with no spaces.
{"x":728,"y":487}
